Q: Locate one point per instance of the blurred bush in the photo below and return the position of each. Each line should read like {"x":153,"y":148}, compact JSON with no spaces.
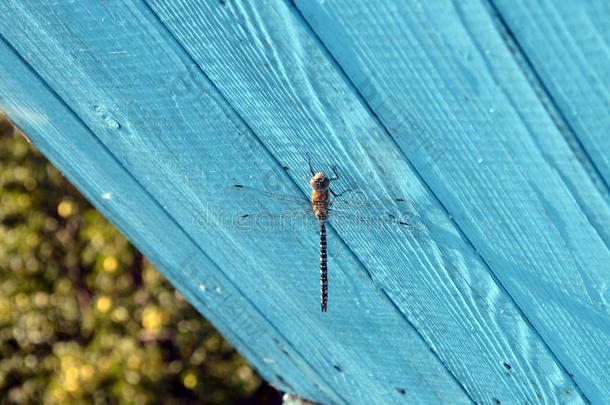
{"x":84,"y":317}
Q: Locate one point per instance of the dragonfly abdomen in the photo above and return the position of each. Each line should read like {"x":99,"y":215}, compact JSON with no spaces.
{"x":323,"y":270}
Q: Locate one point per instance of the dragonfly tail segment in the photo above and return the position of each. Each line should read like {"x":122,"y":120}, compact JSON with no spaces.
{"x":323,"y":270}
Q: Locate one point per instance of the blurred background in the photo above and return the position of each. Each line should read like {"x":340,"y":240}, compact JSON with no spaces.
{"x":84,"y":317}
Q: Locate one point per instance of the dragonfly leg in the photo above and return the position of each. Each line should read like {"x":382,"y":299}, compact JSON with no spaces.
{"x":334,"y":169}
{"x":309,"y":161}
{"x":335,"y":195}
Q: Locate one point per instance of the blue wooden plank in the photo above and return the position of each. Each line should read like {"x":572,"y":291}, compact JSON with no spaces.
{"x":568,"y":46}
{"x":447,"y":87}
{"x":151,"y":142}
{"x":300,"y":102}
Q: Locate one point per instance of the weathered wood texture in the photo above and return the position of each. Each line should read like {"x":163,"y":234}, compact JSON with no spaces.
{"x":568,"y":47}
{"x":152,"y":108}
{"x":455,"y":97}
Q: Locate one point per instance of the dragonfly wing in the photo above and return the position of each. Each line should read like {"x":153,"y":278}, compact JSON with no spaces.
{"x":338,"y":203}
{"x":371,"y":213}
{"x":343,"y":218}
{"x":252,"y":193}
{"x":266,"y":221}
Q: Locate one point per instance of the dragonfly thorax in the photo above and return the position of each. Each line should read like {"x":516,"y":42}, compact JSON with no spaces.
{"x":320,"y":209}
{"x":320,"y":185}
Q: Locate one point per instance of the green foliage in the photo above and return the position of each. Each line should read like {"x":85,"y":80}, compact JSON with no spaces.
{"x":84,"y":317}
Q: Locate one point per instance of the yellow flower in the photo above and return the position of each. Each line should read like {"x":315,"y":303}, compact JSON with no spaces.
{"x":65,"y":208}
{"x":120,"y":314}
{"x":151,"y":319}
{"x":87,"y":371}
{"x":189,"y":380}
{"x":103,"y":304}
{"x":110,"y":264}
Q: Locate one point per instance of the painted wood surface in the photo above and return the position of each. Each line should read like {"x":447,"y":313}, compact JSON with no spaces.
{"x":568,"y":47}
{"x":476,"y":131}
{"x":499,"y":296}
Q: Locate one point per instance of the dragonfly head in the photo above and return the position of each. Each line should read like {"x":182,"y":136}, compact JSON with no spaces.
{"x":319,"y":182}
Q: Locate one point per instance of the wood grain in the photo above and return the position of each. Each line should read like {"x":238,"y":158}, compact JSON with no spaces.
{"x":74,"y":149}
{"x":168,"y":127}
{"x":567,"y":45}
{"x":479,"y":304}
{"x":450,"y":87}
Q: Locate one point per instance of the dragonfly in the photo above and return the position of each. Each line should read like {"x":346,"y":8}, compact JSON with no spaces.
{"x":328,"y":207}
